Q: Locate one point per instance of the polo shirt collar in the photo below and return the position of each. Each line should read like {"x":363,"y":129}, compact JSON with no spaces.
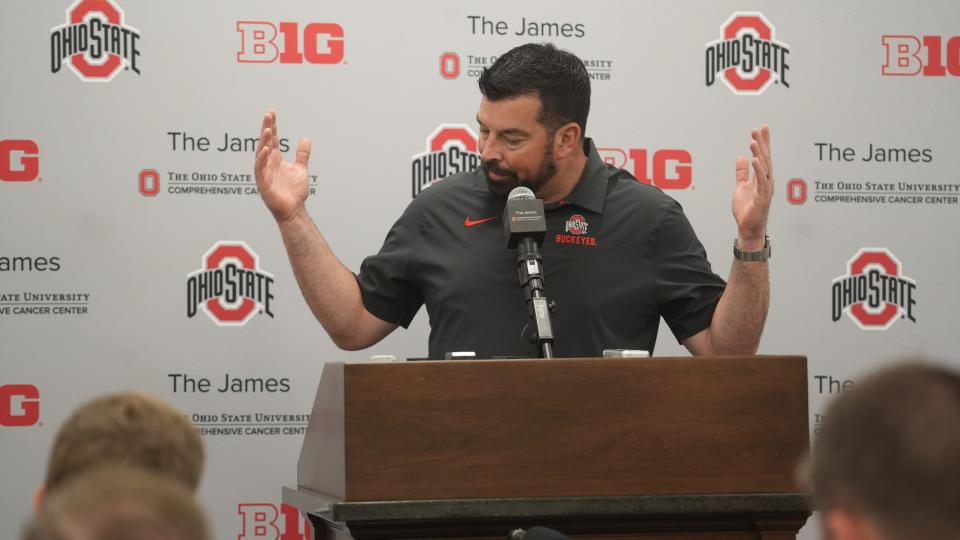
{"x":591,"y":191}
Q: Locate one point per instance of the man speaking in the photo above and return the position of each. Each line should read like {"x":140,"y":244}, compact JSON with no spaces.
{"x":617,"y":255}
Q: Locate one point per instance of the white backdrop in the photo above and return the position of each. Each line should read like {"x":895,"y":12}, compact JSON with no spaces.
{"x":104,"y":213}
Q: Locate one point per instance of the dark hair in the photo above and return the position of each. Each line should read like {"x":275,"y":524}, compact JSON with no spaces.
{"x":557,"y":77}
{"x":889,"y":450}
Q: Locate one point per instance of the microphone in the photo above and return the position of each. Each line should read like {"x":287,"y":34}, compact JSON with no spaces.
{"x":523,"y":218}
{"x":524,"y":227}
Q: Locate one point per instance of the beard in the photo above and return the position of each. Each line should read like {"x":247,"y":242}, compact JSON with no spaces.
{"x":501,"y":188}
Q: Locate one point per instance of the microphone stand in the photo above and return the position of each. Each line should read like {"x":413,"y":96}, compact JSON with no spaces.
{"x":530,"y":268}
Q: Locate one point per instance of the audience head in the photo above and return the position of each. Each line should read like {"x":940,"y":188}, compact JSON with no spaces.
{"x":118,"y":502}
{"x":126,"y":429}
{"x":886,"y":464}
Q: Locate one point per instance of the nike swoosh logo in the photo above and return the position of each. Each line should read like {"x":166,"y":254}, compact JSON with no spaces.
{"x":470,"y":223}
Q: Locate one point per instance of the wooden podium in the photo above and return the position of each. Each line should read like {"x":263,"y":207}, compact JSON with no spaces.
{"x":594,"y":447}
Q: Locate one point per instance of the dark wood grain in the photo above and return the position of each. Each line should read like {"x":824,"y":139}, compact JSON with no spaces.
{"x":578,"y":427}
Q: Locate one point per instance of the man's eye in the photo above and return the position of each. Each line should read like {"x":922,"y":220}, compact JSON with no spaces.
{"x":513,"y":142}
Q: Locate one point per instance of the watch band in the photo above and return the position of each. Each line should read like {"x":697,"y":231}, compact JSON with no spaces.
{"x":755,"y":256}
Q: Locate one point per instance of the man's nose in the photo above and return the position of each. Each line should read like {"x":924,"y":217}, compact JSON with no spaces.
{"x":490,"y":151}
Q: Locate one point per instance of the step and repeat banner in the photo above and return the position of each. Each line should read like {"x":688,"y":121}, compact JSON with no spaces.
{"x":127,"y":132}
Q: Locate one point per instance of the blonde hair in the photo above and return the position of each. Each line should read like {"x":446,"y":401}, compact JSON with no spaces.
{"x":114,"y":502}
{"x":128,"y":429}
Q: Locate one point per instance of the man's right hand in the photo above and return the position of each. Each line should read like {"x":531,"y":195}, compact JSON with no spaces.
{"x":284,"y":186}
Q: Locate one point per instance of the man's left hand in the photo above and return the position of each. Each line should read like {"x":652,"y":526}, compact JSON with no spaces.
{"x":751,"y":198}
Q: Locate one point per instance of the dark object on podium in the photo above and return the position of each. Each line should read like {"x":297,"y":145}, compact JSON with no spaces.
{"x":638,"y":448}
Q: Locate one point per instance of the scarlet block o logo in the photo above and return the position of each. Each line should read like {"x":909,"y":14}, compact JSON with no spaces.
{"x":874,"y":293}
{"x":19,"y":405}
{"x":149,"y":182}
{"x":258,"y":43}
{"x":19,"y":160}
{"x":451,"y":149}
{"x":96,"y":40}
{"x":797,"y":191}
{"x":449,"y":65}
{"x":230,"y":286}
{"x":747,"y":56}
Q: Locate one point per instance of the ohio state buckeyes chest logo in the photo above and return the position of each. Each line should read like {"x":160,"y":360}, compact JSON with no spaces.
{"x":230,"y":288}
{"x":96,"y":41}
{"x":451,"y":149}
{"x":747,"y":57}
{"x":577,"y":224}
{"x":574,"y":232}
{"x":874,"y":293}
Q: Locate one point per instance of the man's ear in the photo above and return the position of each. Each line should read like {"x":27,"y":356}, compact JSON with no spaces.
{"x":38,"y":499}
{"x":842,"y":524}
{"x":567,"y":141}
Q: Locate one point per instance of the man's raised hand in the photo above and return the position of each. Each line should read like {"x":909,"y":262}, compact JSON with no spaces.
{"x":283,"y":186}
{"x":751,"y":198}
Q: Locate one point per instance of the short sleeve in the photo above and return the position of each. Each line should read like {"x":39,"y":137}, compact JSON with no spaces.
{"x":387,"y":280}
{"x":687,"y":288}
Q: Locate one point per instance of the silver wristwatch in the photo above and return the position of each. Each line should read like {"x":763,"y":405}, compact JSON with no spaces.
{"x":761,"y":255}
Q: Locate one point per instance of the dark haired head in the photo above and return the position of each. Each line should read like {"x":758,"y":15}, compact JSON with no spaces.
{"x":557,"y":77}
{"x":889,"y":450}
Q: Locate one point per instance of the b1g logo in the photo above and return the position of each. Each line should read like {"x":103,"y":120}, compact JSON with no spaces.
{"x":747,"y":57}
{"x":874,"y":293}
{"x":262,"y":521}
{"x":909,"y":56}
{"x":451,"y":149}
{"x":19,"y":160}
{"x":259,"y":43}
{"x":19,"y":405}
{"x":96,"y":41}
{"x":230,"y":288}
{"x":672,"y":169}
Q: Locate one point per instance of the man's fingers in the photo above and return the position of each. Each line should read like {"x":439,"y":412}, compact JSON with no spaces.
{"x":761,"y":139}
{"x":761,"y":174}
{"x":743,"y":170}
{"x":303,"y":151}
{"x":274,"y":157}
{"x":260,"y":160}
{"x":263,"y":127}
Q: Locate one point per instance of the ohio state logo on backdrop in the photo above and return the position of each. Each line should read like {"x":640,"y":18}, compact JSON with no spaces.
{"x":451,"y":149}
{"x":230,"y":287}
{"x":96,"y":41}
{"x":874,"y":293}
{"x":747,"y":57}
